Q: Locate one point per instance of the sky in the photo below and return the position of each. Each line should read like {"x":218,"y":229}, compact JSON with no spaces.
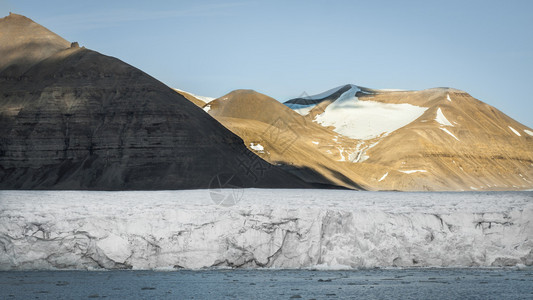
{"x":287,"y":48}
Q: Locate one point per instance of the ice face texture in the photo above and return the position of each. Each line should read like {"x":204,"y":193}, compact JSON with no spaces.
{"x":267,"y":228}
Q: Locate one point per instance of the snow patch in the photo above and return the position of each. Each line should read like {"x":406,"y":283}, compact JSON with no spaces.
{"x":448,"y":132}
{"x":316,"y":143}
{"x":341,"y":151}
{"x":384,"y":176}
{"x":448,"y":97}
{"x":366,"y":119}
{"x":514,"y":130}
{"x":257,"y":147}
{"x":413,"y":171}
{"x":207,"y":108}
{"x":440,"y":118}
{"x":528,"y":132}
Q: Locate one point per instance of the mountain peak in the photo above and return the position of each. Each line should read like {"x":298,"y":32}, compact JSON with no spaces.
{"x":16,"y":18}
{"x":17,"y":21}
{"x":242,"y":92}
{"x":246,"y":94}
{"x":23,"y":43}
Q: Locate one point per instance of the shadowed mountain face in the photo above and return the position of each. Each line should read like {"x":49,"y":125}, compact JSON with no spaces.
{"x":72,"y":118}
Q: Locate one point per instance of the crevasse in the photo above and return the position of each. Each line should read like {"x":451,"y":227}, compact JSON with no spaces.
{"x":267,"y":228}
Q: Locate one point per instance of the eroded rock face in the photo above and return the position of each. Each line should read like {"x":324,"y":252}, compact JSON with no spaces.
{"x":78,"y":119}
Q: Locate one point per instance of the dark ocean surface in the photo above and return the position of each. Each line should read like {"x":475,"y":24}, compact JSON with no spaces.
{"x":500,"y":283}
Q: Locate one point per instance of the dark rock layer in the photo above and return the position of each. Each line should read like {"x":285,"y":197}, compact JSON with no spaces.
{"x":82,"y":120}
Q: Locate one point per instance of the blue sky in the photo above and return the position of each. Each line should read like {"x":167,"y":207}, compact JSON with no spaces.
{"x":285,"y":48}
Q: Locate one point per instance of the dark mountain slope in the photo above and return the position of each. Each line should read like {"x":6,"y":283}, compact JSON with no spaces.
{"x":82,"y":120}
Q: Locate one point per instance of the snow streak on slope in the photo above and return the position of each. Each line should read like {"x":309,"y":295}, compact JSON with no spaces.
{"x":514,"y":130}
{"x":268,"y":228}
{"x":413,"y":171}
{"x":441,"y":119}
{"x":366,"y":119}
{"x":384,"y":176}
{"x":448,"y":132}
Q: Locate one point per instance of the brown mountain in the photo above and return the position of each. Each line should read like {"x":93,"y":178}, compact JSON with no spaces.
{"x":24,"y":43}
{"x":435,"y":139}
{"x":72,"y":118}
{"x":283,"y":137}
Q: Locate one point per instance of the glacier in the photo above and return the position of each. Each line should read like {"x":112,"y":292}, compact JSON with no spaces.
{"x":366,"y":120}
{"x":267,"y":228}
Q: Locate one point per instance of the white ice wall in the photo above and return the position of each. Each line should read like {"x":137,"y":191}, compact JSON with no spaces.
{"x":268,"y":228}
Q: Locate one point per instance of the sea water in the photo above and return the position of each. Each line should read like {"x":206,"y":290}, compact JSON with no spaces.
{"x":500,"y":283}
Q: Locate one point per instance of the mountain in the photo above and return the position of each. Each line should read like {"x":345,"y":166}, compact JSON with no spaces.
{"x":72,"y":118}
{"x":283,"y":137}
{"x":434,"y":139}
{"x":24,"y":43}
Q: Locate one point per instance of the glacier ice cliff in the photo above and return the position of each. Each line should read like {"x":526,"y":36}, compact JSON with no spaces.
{"x":268,"y":228}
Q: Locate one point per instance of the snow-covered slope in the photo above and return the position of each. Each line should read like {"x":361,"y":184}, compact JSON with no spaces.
{"x":357,"y":119}
{"x":366,"y":119}
{"x":267,"y":228}
{"x":460,"y":142}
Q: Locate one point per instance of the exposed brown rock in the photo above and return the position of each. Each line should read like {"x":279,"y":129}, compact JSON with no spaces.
{"x":481,"y":153}
{"x":487,"y":154}
{"x":287,"y":137}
